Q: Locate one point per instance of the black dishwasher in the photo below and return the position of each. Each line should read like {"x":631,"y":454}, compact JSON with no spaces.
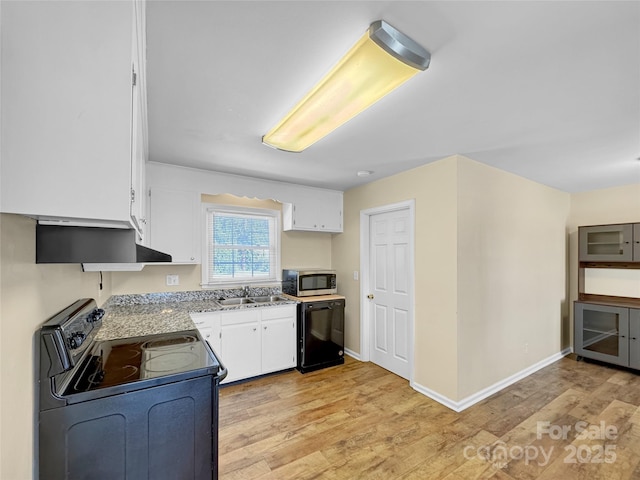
{"x":320,"y":334}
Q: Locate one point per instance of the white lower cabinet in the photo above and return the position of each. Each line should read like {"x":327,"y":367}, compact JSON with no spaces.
{"x":208,"y":323}
{"x":240,"y":343}
{"x":278,"y":338}
{"x":251,"y":341}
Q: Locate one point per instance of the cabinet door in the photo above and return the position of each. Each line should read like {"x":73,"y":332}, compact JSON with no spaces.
{"x":606,"y":243}
{"x":634,"y":338}
{"x":278,"y":339}
{"x":636,"y":242}
{"x":139,"y":144}
{"x":66,"y":86}
{"x":174,"y":226}
{"x":240,"y":344}
{"x":315,"y":211}
{"x":601,"y":332}
{"x":304,"y":214}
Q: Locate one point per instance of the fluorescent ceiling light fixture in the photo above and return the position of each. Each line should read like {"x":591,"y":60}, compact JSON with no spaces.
{"x":380,"y":61}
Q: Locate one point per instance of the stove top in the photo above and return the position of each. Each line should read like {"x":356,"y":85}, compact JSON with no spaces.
{"x":118,"y":362}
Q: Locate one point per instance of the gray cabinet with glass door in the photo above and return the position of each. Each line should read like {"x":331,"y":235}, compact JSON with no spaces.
{"x":607,"y":326}
{"x":610,"y":243}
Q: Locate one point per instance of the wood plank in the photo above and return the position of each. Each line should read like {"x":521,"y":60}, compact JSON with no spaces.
{"x":358,"y":421}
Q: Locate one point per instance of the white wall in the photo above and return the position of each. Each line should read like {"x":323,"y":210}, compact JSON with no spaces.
{"x":213,"y":183}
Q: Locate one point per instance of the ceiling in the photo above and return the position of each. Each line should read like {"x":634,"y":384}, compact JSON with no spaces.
{"x":548,"y":90}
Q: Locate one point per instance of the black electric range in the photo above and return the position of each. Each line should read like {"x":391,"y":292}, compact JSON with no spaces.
{"x":141,"y":407}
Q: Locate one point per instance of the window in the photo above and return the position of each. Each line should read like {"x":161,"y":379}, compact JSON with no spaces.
{"x":243,"y":245}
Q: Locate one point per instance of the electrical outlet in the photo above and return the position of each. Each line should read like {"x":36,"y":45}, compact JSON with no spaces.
{"x":173,"y":280}
{"x":355,"y":275}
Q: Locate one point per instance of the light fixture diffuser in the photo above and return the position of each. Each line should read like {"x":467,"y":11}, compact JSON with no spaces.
{"x":380,"y":61}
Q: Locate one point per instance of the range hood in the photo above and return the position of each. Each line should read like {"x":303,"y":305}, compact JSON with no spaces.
{"x":100,"y":245}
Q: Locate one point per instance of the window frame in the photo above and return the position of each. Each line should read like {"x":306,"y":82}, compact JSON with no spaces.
{"x":209,"y":210}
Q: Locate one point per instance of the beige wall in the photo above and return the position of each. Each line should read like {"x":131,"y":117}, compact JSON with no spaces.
{"x":299,"y":249}
{"x":490,"y":273}
{"x":29,"y":295}
{"x":433,"y":187}
{"x":512,"y":257}
{"x":601,"y":207}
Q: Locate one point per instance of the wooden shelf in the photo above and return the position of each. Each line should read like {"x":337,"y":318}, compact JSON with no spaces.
{"x":629,"y":302}
{"x":628,"y":265}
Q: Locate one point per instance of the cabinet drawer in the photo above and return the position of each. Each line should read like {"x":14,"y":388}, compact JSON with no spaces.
{"x":285,"y":311}
{"x":204,"y":318}
{"x":251,"y":315}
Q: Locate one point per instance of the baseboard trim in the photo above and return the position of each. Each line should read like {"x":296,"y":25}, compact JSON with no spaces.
{"x":487,"y":392}
{"x":352,"y":354}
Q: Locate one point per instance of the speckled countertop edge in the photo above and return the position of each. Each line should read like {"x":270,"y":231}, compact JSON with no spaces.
{"x":157,"y":313}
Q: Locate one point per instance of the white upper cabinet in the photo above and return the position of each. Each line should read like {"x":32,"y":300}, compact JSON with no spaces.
{"x":73,"y":118}
{"x":174,"y":224}
{"x":315,"y":210}
{"x":139,"y":132}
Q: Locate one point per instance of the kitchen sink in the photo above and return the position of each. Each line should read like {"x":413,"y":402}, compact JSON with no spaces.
{"x":269,"y":299}
{"x":235,"y":301}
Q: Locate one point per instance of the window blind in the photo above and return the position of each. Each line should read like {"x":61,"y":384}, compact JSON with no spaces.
{"x":242,"y":245}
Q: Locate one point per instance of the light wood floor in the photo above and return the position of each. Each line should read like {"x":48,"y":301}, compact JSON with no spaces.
{"x":358,"y":421}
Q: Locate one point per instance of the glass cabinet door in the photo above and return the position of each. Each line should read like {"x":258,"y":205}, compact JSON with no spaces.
{"x":611,"y":243}
{"x":601,"y":333}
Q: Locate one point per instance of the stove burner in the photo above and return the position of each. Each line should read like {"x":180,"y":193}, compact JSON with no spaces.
{"x":130,"y":372}
{"x":132,"y":354}
{"x":169,"y":362}
{"x":95,"y":378}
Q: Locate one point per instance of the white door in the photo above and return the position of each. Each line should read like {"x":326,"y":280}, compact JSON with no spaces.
{"x":390,"y":302}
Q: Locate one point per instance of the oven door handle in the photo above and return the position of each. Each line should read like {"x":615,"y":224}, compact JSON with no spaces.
{"x":222,"y":373}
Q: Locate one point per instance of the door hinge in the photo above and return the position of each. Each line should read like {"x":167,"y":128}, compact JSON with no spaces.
{"x":134,"y":78}
{"x":133,"y":195}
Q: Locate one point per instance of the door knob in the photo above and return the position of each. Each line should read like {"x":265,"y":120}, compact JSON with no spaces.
{"x":370,"y":296}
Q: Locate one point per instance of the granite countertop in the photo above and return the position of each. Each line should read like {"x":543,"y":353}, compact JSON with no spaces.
{"x":156,"y":313}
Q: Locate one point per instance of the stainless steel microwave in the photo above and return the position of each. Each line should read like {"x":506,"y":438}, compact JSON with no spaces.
{"x":306,"y":283}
